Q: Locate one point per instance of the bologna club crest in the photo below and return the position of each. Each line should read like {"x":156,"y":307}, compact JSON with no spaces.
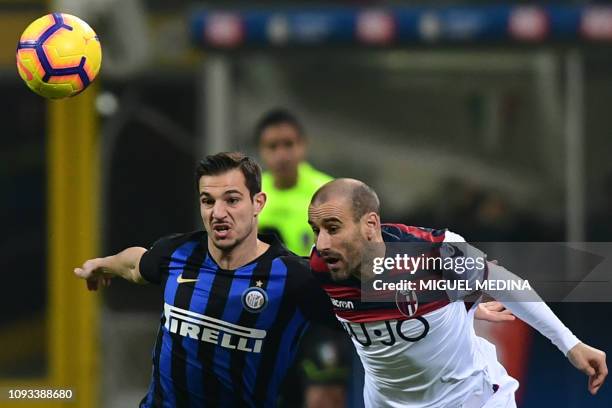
{"x":407,"y":302}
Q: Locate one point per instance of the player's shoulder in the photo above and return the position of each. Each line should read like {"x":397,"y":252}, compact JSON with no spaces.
{"x":159,"y":254}
{"x":312,"y":177}
{"x":409,"y":233}
{"x":278,"y":251}
{"x":453,"y":237}
{"x":171,"y":241}
{"x":298,"y":273}
{"x":295,"y":264}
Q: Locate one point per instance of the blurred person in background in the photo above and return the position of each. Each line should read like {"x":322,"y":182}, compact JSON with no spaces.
{"x":289,"y":181}
{"x":235,"y":303}
{"x":320,"y":378}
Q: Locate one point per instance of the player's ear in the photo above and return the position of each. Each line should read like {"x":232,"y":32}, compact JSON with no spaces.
{"x":259,"y":201}
{"x":371,"y":224}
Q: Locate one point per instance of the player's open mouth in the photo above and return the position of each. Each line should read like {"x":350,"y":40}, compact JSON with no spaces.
{"x":332,"y":261}
{"x":221,"y":230}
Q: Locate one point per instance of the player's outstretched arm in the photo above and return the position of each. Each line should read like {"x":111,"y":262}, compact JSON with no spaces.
{"x":99,"y":271}
{"x":494,"y":312}
{"x":590,"y":361}
{"x":534,"y":311}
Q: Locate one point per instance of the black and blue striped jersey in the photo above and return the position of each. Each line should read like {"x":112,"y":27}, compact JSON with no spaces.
{"x":227,"y":337}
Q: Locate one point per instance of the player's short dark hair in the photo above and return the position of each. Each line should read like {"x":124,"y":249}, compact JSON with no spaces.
{"x":364,"y":200}
{"x":275,"y":117}
{"x":361,"y":197}
{"x":220,"y":163}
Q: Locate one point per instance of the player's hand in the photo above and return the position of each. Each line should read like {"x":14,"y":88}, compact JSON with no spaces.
{"x":493,"y":312}
{"x":95,"y":273}
{"x":590,"y":361}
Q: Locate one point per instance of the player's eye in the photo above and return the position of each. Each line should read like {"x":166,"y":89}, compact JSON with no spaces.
{"x":207,"y":202}
{"x":332,"y":229}
{"x":233,"y":200}
{"x":315,"y":230}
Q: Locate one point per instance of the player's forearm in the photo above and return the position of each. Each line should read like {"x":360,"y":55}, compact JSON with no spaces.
{"x":530,"y":308}
{"x":125,"y":264}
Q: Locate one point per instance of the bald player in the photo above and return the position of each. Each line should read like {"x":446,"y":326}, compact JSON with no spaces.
{"x":427,"y":356}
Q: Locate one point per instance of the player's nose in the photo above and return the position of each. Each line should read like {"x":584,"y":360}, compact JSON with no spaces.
{"x":219,"y":210}
{"x":323,"y":241}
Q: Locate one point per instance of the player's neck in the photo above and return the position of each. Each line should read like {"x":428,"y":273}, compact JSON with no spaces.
{"x":286,"y":181}
{"x":243,"y":253}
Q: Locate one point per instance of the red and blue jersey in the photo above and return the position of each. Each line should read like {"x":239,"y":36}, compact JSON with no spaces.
{"x":347,"y":295}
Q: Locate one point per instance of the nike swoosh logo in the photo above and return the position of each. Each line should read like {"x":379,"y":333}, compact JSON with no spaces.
{"x":180,"y":279}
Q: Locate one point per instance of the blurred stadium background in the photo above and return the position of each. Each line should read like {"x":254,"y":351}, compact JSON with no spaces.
{"x":493,"y":121}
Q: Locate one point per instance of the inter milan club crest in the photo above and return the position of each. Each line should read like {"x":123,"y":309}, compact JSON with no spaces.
{"x":254,"y":299}
{"x":407,"y":302}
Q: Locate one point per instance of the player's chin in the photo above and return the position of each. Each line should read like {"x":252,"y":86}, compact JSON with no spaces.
{"x":224,"y":243}
{"x":339,"y":273}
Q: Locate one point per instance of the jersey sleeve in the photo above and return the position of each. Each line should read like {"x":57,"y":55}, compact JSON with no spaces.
{"x":154,"y":262}
{"x":310,"y":298}
{"x":469,"y":263}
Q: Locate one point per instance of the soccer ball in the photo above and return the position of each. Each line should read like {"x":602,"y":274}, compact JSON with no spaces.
{"x":58,"y":55}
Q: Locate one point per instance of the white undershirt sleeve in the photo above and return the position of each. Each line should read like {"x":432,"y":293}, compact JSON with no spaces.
{"x":529,"y":307}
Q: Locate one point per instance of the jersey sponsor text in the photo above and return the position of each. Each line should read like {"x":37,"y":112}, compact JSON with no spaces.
{"x":211,"y":330}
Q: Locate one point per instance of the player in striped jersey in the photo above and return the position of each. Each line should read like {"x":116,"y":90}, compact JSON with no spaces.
{"x":426,"y":355}
{"x":235,"y":303}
